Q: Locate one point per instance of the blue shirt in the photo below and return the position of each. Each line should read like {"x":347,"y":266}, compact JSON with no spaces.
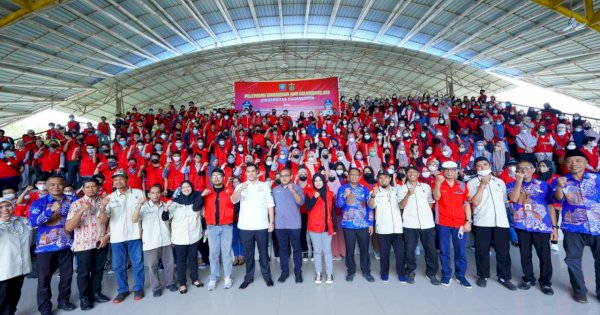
{"x":581,"y":204}
{"x":287,"y":210}
{"x":356,"y":215}
{"x":536,"y":219}
{"x":51,"y":235}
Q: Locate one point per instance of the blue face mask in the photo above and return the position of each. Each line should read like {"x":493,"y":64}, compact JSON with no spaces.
{"x":11,"y":154}
{"x":6,"y":145}
{"x":112,"y":163}
{"x":123,"y":143}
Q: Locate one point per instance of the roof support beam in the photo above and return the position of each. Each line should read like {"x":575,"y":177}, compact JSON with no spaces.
{"x":40,"y":96}
{"x":223,"y":8}
{"x":450,"y":26}
{"x":334,"y":11}
{"x":394,"y":15}
{"x":200,"y":20}
{"x":41,"y":86}
{"x":576,"y":83}
{"x":27,"y":7}
{"x":590,"y":18}
{"x":435,"y":9}
{"x":280,"y":9}
{"x":144,"y":26}
{"x":568,"y":74}
{"x":8,"y":64}
{"x":255,"y":18}
{"x":475,"y":35}
{"x":139,"y":51}
{"x":306,"y":16}
{"x":109,"y":15}
{"x":33,"y":73}
{"x":178,"y":29}
{"x":362,"y":16}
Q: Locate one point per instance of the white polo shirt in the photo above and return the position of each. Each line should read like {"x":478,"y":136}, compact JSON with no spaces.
{"x":155,"y":231}
{"x":120,"y":209}
{"x":492,"y":210}
{"x":388,"y":219}
{"x":186,"y":224}
{"x":255,"y":202}
{"x":418,"y":213}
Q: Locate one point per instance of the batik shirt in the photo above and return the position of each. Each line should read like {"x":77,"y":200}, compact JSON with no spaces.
{"x":51,"y":235}
{"x":534,"y":218}
{"x":355,"y":212}
{"x":581,"y":204}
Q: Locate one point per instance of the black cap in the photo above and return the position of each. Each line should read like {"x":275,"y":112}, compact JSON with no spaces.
{"x":382,"y":172}
{"x":412,"y":167}
{"x":119,"y":172}
{"x":217,"y":170}
{"x":575,"y":152}
{"x":512,"y":162}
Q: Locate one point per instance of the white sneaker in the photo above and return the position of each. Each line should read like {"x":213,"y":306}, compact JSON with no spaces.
{"x":376,"y":255}
{"x":554,"y":247}
{"x":329,"y":279}
{"x":227,"y":283}
{"x":212,"y":284}
{"x":318,"y":278}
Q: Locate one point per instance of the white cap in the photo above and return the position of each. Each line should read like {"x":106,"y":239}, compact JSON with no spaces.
{"x":5,"y":200}
{"x":449,"y":164}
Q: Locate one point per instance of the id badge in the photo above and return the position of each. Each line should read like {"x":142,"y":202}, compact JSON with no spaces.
{"x":527,"y":207}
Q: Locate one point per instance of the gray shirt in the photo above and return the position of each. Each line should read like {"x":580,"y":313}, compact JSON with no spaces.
{"x":287,"y":210}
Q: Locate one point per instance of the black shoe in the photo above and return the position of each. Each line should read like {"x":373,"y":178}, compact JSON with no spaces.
{"x":66,"y":306}
{"x":157,"y":293}
{"x":433,"y":280}
{"x":507,"y":284}
{"x":138,"y":295}
{"x":283,"y":277}
{"x":86,"y":305}
{"x":580,"y":298}
{"x":269,"y":282}
{"x":350,"y":277}
{"x":298,"y":278}
{"x":172,"y":288}
{"x":368,"y":276}
{"x":481,"y":282}
{"x":525,"y":285}
{"x":101,"y":298}
{"x":120,"y":297}
{"x":547,"y":290}
{"x":245,"y":284}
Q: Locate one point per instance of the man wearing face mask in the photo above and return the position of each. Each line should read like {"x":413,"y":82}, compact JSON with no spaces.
{"x":50,"y":159}
{"x":154,"y":172}
{"x":175,"y":172}
{"x":545,"y":144}
{"x":89,"y":162}
{"x":590,"y":150}
{"x":107,"y":170}
{"x":490,"y":224}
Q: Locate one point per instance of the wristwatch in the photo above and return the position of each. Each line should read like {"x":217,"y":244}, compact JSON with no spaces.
{"x":469,"y":220}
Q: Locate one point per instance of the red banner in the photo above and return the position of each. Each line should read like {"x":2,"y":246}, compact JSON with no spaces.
{"x":315,"y":95}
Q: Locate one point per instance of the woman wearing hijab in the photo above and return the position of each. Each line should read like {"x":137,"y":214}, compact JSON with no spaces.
{"x":321,"y":226}
{"x":15,"y":259}
{"x":368,"y":178}
{"x":499,"y":157}
{"x":186,"y":230}
{"x":545,"y":172}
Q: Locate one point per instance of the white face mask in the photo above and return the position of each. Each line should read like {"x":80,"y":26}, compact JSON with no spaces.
{"x":484,"y":172}
{"x":41,"y":186}
{"x":432,"y":168}
{"x":425,"y":174}
{"x":10,"y":196}
{"x":480,"y":148}
{"x":339,"y":172}
{"x":176,"y":158}
{"x":512,"y":168}
{"x":340,"y":157}
{"x":446,"y":154}
{"x":571,"y":147}
{"x":428,"y":152}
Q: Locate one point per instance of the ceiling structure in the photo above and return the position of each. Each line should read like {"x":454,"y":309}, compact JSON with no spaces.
{"x":78,"y":56}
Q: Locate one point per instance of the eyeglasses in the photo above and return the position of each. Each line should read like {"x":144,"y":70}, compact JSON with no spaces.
{"x":526,"y":168}
{"x":281,"y":175}
{"x":217,"y":176}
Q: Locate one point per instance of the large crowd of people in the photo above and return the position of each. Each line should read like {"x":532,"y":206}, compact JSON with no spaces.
{"x":159,"y":189}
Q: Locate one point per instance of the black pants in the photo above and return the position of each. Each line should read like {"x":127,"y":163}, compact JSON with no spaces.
{"x":73,"y":173}
{"x":427,"y":236}
{"x":47,"y":265}
{"x":186,"y":256}
{"x":204,"y":251}
{"x":303,"y":228}
{"x":362,"y":236}
{"x":484,"y":238}
{"x":10,"y":293}
{"x":574,"y":244}
{"x":541,"y":242}
{"x":90,"y":268}
{"x":285,"y":238}
{"x":386,"y":242}
{"x":259,"y":238}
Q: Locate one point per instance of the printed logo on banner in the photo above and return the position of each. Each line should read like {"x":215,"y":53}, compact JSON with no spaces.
{"x":292,"y":86}
{"x":282,"y":86}
{"x":246,"y":104}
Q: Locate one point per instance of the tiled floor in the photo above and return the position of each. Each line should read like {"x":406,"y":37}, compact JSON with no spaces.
{"x":358,"y":297}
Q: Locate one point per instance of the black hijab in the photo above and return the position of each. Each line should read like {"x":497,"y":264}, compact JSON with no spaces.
{"x":548,"y":174}
{"x":195,"y":198}
{"x":323,"y":190}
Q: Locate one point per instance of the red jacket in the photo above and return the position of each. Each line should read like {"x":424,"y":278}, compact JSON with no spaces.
{"x":320,"y":216}
{"x":218,"y":209}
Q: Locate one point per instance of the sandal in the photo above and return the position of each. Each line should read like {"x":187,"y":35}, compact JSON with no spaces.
{"x":198,"y":284}
{"x":183,"y":289}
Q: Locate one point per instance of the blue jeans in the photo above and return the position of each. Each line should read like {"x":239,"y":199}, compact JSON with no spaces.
{"x":119,"y":261}
{"x":236,"y":242}
{"x":219,"y":242}
{"x":460,"y":259}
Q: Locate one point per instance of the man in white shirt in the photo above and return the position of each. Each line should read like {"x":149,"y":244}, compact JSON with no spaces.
{"x":156,"y":240}
{"x":256,"y":221}
{"x":384,"y":199}
{"x":125,"y":236}
{"x":490,"y":224}
{"x":416,"y":201}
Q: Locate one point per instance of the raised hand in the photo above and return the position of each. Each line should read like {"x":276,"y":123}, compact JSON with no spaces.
{"x":205,"y":192}
{"x":317,"y":195}
{"x":347,"y":193}
{"x":439,"y":179}
{"x":562,"y":181}
{"x":55,"y":206}
{"x":411,"y":191}
{"x":519,"y":176}
{"x":105,"y":201}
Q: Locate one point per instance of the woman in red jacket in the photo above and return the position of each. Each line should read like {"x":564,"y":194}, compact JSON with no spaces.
{"x":321,"y":227}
